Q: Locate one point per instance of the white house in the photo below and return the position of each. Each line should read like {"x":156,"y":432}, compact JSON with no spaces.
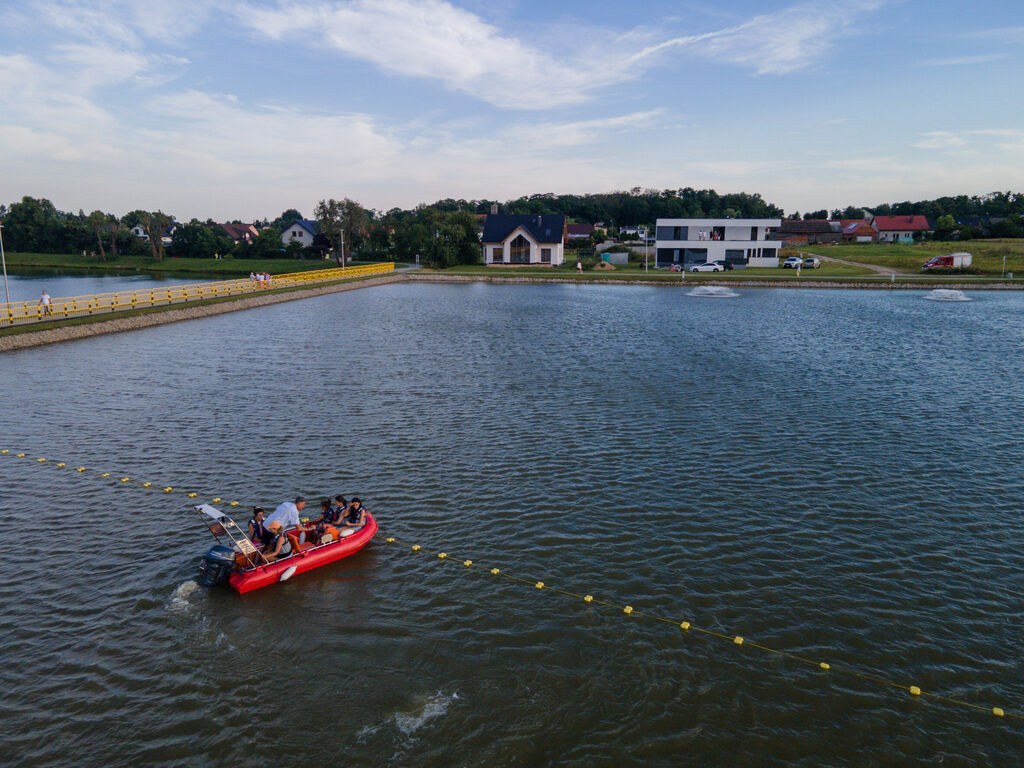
{"x":302,"y":231}
{"x":741,"y":242}
{"x":524,"y":239}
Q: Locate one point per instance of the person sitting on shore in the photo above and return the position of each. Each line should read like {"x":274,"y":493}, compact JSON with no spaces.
{"x":280,"y":547}
{"x":258,"y":533}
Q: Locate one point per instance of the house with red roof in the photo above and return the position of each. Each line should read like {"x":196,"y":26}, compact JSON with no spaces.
{"x":239,"y":232}
{"x":579,"y":231}
{"x":900,"y":229}
{"x":858,"y":231}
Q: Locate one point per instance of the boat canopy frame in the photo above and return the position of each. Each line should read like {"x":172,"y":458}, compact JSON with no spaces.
{"x":221,"y":525}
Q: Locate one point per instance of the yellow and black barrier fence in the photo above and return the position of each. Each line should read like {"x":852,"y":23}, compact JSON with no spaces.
{"x":27,"y":312}
{"x":679,"y":624}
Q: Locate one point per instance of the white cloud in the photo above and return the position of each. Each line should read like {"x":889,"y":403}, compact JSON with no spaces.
{"x":957,"y":61}
{"x":436,"y":40}
{"x":940,"y":140}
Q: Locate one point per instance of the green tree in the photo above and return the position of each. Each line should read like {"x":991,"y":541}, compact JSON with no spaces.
{"x":285,"y":220}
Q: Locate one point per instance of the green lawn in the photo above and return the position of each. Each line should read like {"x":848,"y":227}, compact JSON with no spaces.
{"x":207,"y":267}
{"x":988,"y":254}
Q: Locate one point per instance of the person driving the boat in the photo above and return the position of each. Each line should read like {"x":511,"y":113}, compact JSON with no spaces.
{"x":258,"y":533}
{"x":279,"y":547}
{"x":355,"y":516}
{"x":287,"y":513}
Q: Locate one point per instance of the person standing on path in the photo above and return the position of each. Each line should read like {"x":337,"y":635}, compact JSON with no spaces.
{"x":44,"y":302}
{"x":579,"y":267}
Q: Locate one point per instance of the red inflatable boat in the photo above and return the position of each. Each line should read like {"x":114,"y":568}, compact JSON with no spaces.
{"x":241,"y":566}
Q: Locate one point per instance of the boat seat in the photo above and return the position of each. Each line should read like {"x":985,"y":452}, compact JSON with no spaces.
{"x":296,"y":546}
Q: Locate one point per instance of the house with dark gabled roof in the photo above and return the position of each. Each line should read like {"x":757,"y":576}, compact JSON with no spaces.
{"x":524,"y":239}
{"x":795,"y":231}
{"x":579,"y":231}
{"x":239,"y":232}
{"x":302,"y":231}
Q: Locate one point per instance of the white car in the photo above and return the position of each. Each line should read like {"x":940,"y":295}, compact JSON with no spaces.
{"x":706,"y":266}
{"x":792,"y":262}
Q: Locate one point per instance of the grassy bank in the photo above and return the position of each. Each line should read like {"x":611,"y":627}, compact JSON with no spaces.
{"x":226,"y":268}
{"x":909,"y":257}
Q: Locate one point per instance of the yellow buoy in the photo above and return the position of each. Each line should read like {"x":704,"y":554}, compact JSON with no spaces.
{"x":495,"y":571}
{"x":125,"y":479}
{"x":234,"y":504}
{"x":61,"y":465}
{"x":627,"y":610}
{"x":539,"y":585}
{"x":824,"y":665}
{"x":390,"y":539}
{"x":192,"y":495}
{"x":684,"y":625}
{"x":80,"y":469}
{"x":997,"y":712}
{"x":415,"y":547}
{"x":105,"y":474}
{"x":915,"y":691}
{"x":5,"y":451}
{"x":216,"y":500}
{"x":168,"y":489}
{"x":588,"y":598}
{"x":40,"y":460}
{"x":738,"y":640}
{"x":441,"y":555}
{"x":20,"y":455}
{"x":467,"y":563}
{"x":146,"y":485}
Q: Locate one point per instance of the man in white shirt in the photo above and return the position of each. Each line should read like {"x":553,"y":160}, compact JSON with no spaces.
{"x":287,"y":513}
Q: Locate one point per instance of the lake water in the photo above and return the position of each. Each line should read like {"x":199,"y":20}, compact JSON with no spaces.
{"x":28,"y":287}
{"x":833,"y":473}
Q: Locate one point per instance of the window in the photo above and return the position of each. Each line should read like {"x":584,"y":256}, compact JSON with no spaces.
{"x":519,"y":251}
{"x":498,"y":255}
{"x":545,"y":255}
{"x":299,"y":233}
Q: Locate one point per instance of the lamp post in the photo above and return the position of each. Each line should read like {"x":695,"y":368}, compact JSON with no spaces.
{"x":3,"y":261}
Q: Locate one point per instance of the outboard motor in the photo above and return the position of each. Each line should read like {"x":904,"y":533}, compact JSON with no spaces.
{"x":216,"y":565}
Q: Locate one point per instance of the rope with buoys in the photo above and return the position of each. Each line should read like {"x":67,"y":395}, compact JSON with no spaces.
{"x":683,"y":625}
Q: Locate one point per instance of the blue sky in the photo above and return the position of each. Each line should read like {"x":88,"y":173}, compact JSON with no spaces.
{"x":230,"y":109}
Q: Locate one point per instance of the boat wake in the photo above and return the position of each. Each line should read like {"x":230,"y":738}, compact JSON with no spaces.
{"x":407,"y":722}
{"x":179,"y":600}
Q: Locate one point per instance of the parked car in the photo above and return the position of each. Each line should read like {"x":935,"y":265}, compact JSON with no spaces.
{"x":812,"y":262}
{"x":792,"y":262}
{"x":957,"y":260}
{"x":706,"y":266}
{"x":725,"y":265}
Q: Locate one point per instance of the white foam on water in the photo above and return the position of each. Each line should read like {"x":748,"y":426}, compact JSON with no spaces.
{"x":713,"y":292}
{"x":435,"y":706}
{"x":946,"y":294}
{"x":179,"y":600}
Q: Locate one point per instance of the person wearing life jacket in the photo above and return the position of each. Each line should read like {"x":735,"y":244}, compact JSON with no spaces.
{"x":280,"y":547}
{"x":258,"y":533}
{"x":355,"y":516}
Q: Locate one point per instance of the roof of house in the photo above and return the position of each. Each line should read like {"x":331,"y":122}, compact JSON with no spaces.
{"x":238,"y":231}
{"x":306,"y":224}
{"x":805,"y":227}
{"x":543,"y":229}
{"x":579,"y":230}
{"x":901,"y":223}
{"x":850,"y":226}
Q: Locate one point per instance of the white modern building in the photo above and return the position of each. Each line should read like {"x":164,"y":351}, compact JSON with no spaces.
{"x":741,"y":242}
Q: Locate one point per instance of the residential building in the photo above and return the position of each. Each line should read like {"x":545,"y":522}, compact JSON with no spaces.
{"x":240,"y":232}
{"x":900,"y":229}
{"x":809,"y":231}
{"x":524,"y":239}
{"x":858,"y":231}
{"x":302,"y":231}
{"x":638,"y":232}
{"x":579,"y":231}
{"x":741,"y":242}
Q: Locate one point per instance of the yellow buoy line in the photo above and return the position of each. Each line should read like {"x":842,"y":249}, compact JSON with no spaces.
{"x":683,"y":625}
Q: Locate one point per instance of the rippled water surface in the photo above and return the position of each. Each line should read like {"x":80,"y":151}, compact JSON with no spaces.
{"x":833,"y":473}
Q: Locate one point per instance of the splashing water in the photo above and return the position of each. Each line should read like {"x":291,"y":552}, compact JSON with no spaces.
{"x":179,"y":600}
{"x":713,"y":292}
{"x":946,"y":294}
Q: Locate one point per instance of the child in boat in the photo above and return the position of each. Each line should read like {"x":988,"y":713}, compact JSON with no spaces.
{"x":355,"y":516}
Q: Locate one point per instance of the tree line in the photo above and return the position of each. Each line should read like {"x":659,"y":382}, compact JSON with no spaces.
{"x":444,"y":233}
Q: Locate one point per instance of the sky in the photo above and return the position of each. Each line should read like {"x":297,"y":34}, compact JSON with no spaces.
{"x":239,"y":110}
